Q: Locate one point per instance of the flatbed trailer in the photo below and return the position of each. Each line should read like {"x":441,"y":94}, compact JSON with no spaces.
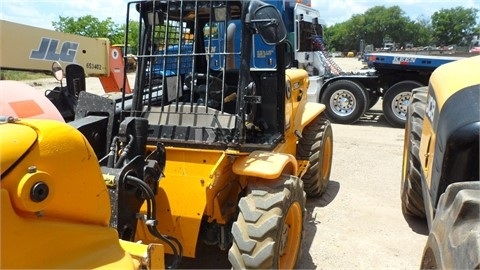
{"x":391,"y":76}
{"x":394,"y":61}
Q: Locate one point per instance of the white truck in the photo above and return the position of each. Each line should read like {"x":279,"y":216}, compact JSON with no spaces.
{"x":347,"y":95}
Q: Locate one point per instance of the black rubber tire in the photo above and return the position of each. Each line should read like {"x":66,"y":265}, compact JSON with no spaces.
{"x":411,"y":187}
{"x":316,"y":146}
{"x":454,"y":240}
{"x":261,"y":225}
{"x":395,"y":102}
{"x":346,"y":101}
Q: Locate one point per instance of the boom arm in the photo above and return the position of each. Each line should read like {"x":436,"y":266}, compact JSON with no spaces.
{"x":36,"y":48}
{"x":31,"y":48}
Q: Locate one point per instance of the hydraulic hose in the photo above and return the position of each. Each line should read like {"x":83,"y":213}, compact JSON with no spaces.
{"x":151,"y":216}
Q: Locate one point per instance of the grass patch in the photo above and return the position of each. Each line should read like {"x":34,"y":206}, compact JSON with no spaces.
{"x":22,"y":75}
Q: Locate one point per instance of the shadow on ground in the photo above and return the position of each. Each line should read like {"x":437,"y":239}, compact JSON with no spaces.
{"x":374,"y":118}
{"x":305,"y":259}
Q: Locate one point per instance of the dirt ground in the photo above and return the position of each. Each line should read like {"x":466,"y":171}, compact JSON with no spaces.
{"x":358,"y":222}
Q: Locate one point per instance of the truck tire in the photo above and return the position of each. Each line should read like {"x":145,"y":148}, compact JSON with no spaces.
{"x":454,"y":239}
{"x":395,"y":102}
{"x":411,"y":187}
{"x":316,"y":146}
{"x":269,"y":228}
{"x":346,"y":101}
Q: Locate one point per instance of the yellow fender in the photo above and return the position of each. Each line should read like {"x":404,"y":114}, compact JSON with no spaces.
{"x":312,"y":109}
{"x":265,"y":165}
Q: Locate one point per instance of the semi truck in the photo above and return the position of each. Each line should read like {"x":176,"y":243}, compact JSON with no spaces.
{"x":347,"y":95}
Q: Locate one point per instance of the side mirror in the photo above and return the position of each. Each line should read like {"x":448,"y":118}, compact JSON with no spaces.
{"x":57,"y":71}
{"x":269,"y":24}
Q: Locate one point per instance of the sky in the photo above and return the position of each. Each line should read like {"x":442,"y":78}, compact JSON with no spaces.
{"x":41,"y":13}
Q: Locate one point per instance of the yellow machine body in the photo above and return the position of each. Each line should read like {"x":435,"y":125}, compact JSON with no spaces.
{"x":55,"y":205}
{"x":440,"y":91}
{"x":205,"y":183}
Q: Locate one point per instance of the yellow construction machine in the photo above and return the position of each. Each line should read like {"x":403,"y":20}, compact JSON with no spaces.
{"x":440,"y":177}
{"x":224,"y":156}
{"x":55,"y":204}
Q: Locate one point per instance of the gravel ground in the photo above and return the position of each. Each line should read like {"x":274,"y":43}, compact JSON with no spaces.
{"x":357,"y":223}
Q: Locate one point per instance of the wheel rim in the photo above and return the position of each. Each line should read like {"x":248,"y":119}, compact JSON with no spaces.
{"x":327,"y":158}
{"x":291,"y":237}
{"x":400,"y":104}
{"x":343,"y":102}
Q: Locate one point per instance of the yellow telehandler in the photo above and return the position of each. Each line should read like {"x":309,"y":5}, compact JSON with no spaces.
{"x":210,"y":148}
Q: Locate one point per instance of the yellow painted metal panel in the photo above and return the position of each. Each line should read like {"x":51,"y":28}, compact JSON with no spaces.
{"x":182,"y":196}
{"x":63,"y":159}
{"x":15,"y":140}
{"x":265,"y":165}
{"x":30,"y":242}
{"x":445,"y":78}
{"x":312,"y":109}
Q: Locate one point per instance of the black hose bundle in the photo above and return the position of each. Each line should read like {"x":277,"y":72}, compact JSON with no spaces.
{"x":151,"y":220}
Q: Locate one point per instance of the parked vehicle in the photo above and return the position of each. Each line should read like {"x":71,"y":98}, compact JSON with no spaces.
{"x":225,"y":156}
{"x":440,"y":174}
{"x":347,"y":95}
{"x":475,"y":49}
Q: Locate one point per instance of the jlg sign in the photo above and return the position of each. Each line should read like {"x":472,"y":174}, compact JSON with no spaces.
{"x":47,"y":50}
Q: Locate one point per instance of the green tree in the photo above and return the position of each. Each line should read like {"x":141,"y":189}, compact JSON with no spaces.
{"x":334,"y":37}
{"x":90,"y":26}
{"x":386,"y":24}
{"x":422,"y":32}
{"x":454,"y":26}
{"x":133,"y":34}
{"x":375,"y":26}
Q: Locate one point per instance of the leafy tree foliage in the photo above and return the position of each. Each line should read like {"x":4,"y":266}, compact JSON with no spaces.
{"x":453,"y":26}
{"x":422,"y":32}
{"x":381,"y":24}
{"x":90,"y":26}
{"x":376,"y":26}
{"x":133,"y":35}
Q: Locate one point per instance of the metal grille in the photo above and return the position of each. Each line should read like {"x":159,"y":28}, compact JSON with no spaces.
{"x":183,"y":79}
{"x":180,"y":68}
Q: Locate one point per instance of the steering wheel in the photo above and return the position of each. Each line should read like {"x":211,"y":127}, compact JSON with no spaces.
{"x":200,"y":87}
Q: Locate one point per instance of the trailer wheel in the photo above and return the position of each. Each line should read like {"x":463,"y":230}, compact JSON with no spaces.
{"x":395,"y":102}
{"x":316,"y":146}
{"x":454,"y":239}
{"x":346,"y":101}
{"x":269,"y":229}
{"x":411,"y":187}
